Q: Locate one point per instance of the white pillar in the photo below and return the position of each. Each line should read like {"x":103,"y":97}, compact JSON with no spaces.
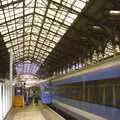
{"x":11,"y":76}
{"x":11,"y":67}
{"x":1,"y":101}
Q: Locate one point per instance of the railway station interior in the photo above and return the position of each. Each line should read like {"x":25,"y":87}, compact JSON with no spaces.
{"x":59,"y":59}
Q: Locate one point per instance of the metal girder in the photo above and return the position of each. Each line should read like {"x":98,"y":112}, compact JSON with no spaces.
{"x":5,"y":20}
{"x":43,"y":21}
{"x":11,"y":3}
{"x":15,"y":30}
{"x":16,"y":38}
{"x":15,"y":18}
{"x":47,"y":29}
{"x":52,"y":19}
{"x":61,"y":5}
{"x":32,"y":21}
{"x":27,"y":58}
{"x":23,"y":28}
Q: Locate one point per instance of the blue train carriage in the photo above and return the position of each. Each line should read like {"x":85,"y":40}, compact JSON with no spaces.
{"x":94,"y":90}
{"x":46,"y":97}
{"x":46,"y":94}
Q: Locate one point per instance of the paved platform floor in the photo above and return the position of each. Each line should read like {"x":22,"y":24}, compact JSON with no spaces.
{"x":34,"y":112}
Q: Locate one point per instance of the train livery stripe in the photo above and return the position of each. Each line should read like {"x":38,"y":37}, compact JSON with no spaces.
{"x":79,"y":112}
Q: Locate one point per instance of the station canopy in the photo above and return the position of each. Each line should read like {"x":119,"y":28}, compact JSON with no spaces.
{"x":32,"y":28}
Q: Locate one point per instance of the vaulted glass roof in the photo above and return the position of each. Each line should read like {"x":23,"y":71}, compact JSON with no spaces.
{"x":31,"y":28}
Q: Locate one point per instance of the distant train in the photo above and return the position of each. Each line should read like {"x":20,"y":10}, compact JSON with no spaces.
{"x":46,"y":94}
{"x":46,"y":97}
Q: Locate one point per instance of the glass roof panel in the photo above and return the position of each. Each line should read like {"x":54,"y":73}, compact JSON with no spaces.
{"x":34,"y":27}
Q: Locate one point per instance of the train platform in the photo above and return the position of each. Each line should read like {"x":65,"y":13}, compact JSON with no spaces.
{"x":34,"y":112}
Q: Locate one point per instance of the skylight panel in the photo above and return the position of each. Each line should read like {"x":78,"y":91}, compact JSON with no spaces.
{"x":47,"y":42}
{"x":28,"y":18}
{"x":26,"y":48}
{"x":20,"y":40}
{"x":13,"y":36}
{"x":6,"y":38}
{"x":39,"y":45}
{"x":6,"y":13}
{"x":16,"y":47}
{"x":54,"y":27}
{"x":33,"y":43}
{"x":40,"y":28}
{"x":11,"y":27}
{"x":11,"y":13}
{"x":46,"y":53}
{"x":48,"y":22}
{"x":49,"y":49}
{"x":27,"y":23}
{"x":35,"y":30}
{"x":1,"y":16}
{"x":44,"y":47}
{"x":20,"y":45}
{"x":3,"y":30}
{"x":52,"y":11}
{"x":8,"y":45}
{"x":35,"y":56}
{"x":19,"y":14}
{"x":56,"y":38}
{"x":44,"y":33}
{"x":36,"y":53}
{"x":28,"y":10}
{"x":70,"y":18}
{"x":26,"y":43}
{"x":11,"y":22}
{"x":67,"y":3}
{"x":20,"y":49}
{"x":40,"y":11}
{"x":79,"y":5}
{"x":41,"y":40}
{"x":26,"y":52}
{"x":27,"y":30}
{"x":37,"y":49}
{"x":2,"y":20}
{"x":18,"y":26}
{"x":21,"y":54}
{"x":42,"y":51}
{"x":7,"y":1}
{"x":18,"y":11}
{"x":38,"y":21}
{"x":27,"y":38}
{"x":50,"y":36}
{"x":62,"y":30}
{"x":61,"y":15}
{"x":34,"y":37}
{"x":45,"y":27}
{"x":25,"y":55}
{"x":52,"y":45}
{"x":31,"y":52}
{"x":43,"y":59}
{"x":4,"y":2}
